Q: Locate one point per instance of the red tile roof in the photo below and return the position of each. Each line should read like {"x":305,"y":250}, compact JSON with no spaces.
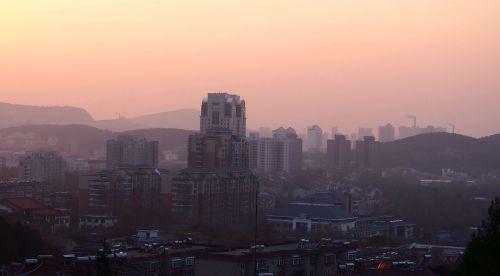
{"x":21,"y":204}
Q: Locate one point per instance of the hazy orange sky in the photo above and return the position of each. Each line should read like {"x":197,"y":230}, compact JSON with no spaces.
{"x":345,"y":63}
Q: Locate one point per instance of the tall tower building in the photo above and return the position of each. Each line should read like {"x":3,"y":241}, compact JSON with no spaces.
{"x":221,"y":142}
{"x":292,"y":148}
{"x":339,"y":154}
{"x":314,"y":138}
{"x":386,"y":133}
{"x":217,"y":188}
{"x":223,"y":111}
{"x":367,"y":152}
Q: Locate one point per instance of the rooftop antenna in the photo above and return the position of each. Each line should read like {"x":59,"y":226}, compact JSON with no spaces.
{"x":452,"y":127}
{"x":414,"y":118}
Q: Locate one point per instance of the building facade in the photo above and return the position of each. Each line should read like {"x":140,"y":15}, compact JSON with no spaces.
{"x":131,"y":151}
{"x":386,"y":133}
{"x":217,"y":149}
{"x":314,"y":139}
{"x":217,"y":188}
{"x":42,"y":166}
{"x":130,"y":188}
{"x":225,"y":196}
{"x":309,"y":217}
{"x":338,"y":154}
{"x":367,"y":152}
{"x":223,"y":111}
{"x":281,"y":153}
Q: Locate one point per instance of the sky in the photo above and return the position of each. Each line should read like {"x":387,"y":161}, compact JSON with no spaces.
{"x":345,"y":63}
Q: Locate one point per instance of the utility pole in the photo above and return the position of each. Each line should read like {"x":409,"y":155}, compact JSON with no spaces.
{"x":256,"y":230}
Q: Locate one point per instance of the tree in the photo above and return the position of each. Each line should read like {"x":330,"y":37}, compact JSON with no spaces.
{"x":18,"y":242}
{"x":483,"y":251}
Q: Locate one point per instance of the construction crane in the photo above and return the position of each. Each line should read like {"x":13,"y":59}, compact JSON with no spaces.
{"x":414,"y":118}
{"x":452,"y":127}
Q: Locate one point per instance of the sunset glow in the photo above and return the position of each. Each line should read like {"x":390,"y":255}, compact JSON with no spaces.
{"x":331,"y":62}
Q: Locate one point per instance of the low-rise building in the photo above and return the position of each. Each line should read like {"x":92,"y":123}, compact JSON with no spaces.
{"x":37,"y":215}
{"x":306,"y":217}
{"x":303,"y":258}
{"x":386,"y":226}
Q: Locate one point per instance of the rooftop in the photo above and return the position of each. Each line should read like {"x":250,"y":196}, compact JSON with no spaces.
{"x":312,"y":211}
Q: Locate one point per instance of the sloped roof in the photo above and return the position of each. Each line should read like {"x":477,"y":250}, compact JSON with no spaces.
{"x":29,"y":204}
{"x":312,"y":211}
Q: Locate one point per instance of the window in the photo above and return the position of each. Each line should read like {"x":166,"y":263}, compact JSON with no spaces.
{"x":262,"y":265}
{"x":189,"y":261}
{"x":313,"y":260}
{"x":154,"y":267}
{"x":215,"y":117}
{"x":296,"y":260}
{"x":351,"y":255}
{"x":329,"y":259}
{"x":281,"y":261}
{"x":176,"y":263}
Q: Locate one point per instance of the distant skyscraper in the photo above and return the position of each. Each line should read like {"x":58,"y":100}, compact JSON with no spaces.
{"x":367,"y":152}
{"x":217,"y":188}
{"x":335,"y":131}
{"x":386,"y":133}
{"x":223,"y":111}
{"x":364,"y":131}
{"x":314,"y":138}
{"x":354,"y":137}
{"x":221,"y":142}
{"x":131,"y":151}
{"x":292,"y":148}
{"x":283,"y":152}
{"x":265,"y":132}
{"x":42,"y":166}
{"x":339,"y":153}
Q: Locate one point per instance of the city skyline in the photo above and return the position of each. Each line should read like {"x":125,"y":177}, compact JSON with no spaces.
{"x":350,"y":64}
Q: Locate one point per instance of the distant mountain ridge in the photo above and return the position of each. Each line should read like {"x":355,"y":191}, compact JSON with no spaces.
{"x":92,"y":139}
{"x":432,"y":151}
{"x":16,"y":115}
{"x":181,"y":118}
{"x":12,"y":115}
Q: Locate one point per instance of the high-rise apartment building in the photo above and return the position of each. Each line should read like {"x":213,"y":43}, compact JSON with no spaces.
{"x":386,"y":133}
{"x":223,"y":111}
{"x":363,"y":132}
{"x":217,"y":188}
{"x":216,"y":197}
{"x":42,"y":166}
{"x":131,"y":151}
{"x":123,"y":189}
{"x":367,"y":152}
{"x":292,"y":148}
{"x":265,"y":154}
{"x":282,"y":152}
{"x":217,"y":148}
{"x":339,"y":154}
{"x":314,"y":138}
